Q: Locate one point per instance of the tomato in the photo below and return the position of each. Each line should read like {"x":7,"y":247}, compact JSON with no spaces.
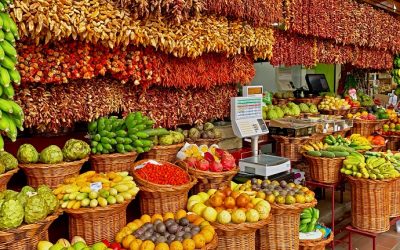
{"x":106,"y":242}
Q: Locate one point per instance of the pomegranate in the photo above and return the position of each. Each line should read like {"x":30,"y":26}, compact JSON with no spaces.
{"x":216,"y":166}
{"x":203,"y":165}
{"x":228,"y":162}
{"x":191,"y":162}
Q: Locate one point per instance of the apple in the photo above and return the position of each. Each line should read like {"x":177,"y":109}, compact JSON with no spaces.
{"x":211,"y":191}
{"x":64,"y":242}
{"x":263,"y":211}
{"x":44,"y":245}
{"x":198,"y":208}
{"x":56,"y":246}
{"x":204,"y":196}
{"x":252,"y":215}
{"x":195,"y":198}
{"x":238,"y":216}
{"x":254,"y":201}
{"x":191,"y":204}
{"x":99,"y":246}
{"x":210,"y":214}
{"x":224,"y":217}
{"x":76,"y":239}
{"x":79,"y":245}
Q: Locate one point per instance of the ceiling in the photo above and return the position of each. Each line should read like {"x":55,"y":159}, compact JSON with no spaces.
{"x":388,"y":5}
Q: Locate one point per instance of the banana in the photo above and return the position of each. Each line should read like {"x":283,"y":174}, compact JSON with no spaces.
{"x":4,"y":77}
{"x":2,"y":8}
{"x":1,"y":143}
{"x":4,"y":126}
{"x":8,"y":48}
{"x":7,"y":63}
{"x":15,"y":76}
{"x":18,"y":122}
{"x":17,"y":110}
{"x":10,"y":38}
{"x":1,"y":91}
{"x":305,"y":221}
{"x":12,"y":128}
{"x":13,"y":28}
{"x":6,"y":21}
{"x":9,"y":92}
{"x":2,"y":54}
{"x":6,"y":106}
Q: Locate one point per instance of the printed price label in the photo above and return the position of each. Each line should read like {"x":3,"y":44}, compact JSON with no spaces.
{"x":95,"y":186}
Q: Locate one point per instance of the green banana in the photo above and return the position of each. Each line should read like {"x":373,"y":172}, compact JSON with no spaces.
{"x":305,"y":221}
{"x":9,"y":92}
{"x":9,"y":36}
{"x":15,"y":76}
{"x":4,"y":125}
{"x":1,"y":143}
{"x":18,"y":122}
{"x":4,"y":77}
{"x":6,"y":106}
{"x":1,"y":35}
{"x":12,"y":128}
{"x":17,"y":110}
{"x":8,"y":63}
{"x":303,"y":228}
{"x":8,"y":48}
{"x":6,"y":21}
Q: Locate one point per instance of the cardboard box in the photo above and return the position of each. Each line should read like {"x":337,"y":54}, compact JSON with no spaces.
{"x":231,"y":143}
{"x":226,"y":131}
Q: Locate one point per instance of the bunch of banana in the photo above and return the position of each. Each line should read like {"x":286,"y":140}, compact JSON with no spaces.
{"x":313,"y":146}
{"x":336,"y":141}
{"x":371,"y":166}
{"x":359,"y":142}
{"x":308,"y":220}
{"x":393,"y":158}
{"x":11,"y":114}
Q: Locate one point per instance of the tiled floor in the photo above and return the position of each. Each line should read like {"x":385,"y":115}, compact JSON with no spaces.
{"x":385,"y":241}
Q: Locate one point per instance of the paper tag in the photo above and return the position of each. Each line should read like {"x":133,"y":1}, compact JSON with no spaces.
{"x":144,"y":164}
{"x":30,"y":194}
{"x":95,"y":186}
{"x":353,"y":94}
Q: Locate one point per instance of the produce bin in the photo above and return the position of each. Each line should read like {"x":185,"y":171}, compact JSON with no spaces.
{"x":315,"y":244}
{"x":163,"y":153}
{"x":5,"y":178}
{"x":112,"y":162}
{"x":325,"y":170}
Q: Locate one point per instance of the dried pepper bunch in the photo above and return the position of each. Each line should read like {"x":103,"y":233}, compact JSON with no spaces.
{"x":65,"y":61}
{"x":51,"y":108}
{"x":11,"y":114}
{"x":294,"y":49}
{"x":346,"y":22}
{"x":257,"y":12}
{"x":102,"y":22}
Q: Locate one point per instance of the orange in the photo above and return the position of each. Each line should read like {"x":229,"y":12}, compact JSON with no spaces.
{"x":135,"y":245}
{"x":128,"y":240}
{"x":156,"y":217}
{"x":199,"y":240}
{"x":145,"y":218}
{"x":138,"y":222}
{"x":198,"y":221}
{"x":180,"y":214}
{"x":176,"y":245}
{"x":188,"y":244}
{"x":162,"y":246}
{"x":168,"y":216}
{"x":209,"y":228}
{"x":208,"y":235}
{"x":119,"y":237}
{"x":147,"y":245}
{"x":192,"y":217}
{"x":133,"y":226}
{"x":204,"y":223}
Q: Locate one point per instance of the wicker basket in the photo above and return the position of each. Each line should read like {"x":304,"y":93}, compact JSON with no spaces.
{"x":209,"y":180}
{"x":283,"y":230}
{"x":342,"y":133}
{"x":325,"y":170}
{"x":280,"y":101}
{"x":365,"y":127}
{"x":290,"y":147}
{"x":26,"y":237}
{"x":163,"y":153}
{"x":97,"y":224}
{"x":394,"y":194}
{"x":341,"y":112}
{"x":320,"y":136}
{"x":378,"y":148}
{"x":5,"y":178}
{"x":393,"y":143}
{"x":315,"y":244}
{"x":314,"y":100}
{"x":159,"y":199}
{"x":212,"y":245}
{"x":51,"y":174}
{"x":112,"y":162}
{"x":207,"y":142}
{"x":238,"y":236}
{"x":370,"y":204}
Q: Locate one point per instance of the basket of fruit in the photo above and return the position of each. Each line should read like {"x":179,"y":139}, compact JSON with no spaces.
{"x":166,"y":145}
{"x":287,"y":201}
{"x":313,"y":236}
{"x":6,"y":176}
{"x":77,"y":242}
{"x":394,"y":158}
{"x":91,"y":197}
{"x":169,"y":231}
{"x":164,"y":186}
{"x":214,"y":169}
{"x":26,"y":216}
{"x":234,"y":214}
{"x":325,"y":161}
{"x":371,"y":178}
{"x":342,"y":132}
{"x":117,"y":142}
{"x":319,"y":244}
{"x":365,"y":127}
{"x":55,"y":164}
{"x":8,"y":167}
{"x":290,"y":147}
{"x":203,"y":134}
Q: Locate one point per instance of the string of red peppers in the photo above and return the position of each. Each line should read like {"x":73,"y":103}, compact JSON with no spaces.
{"x":163,"y":174}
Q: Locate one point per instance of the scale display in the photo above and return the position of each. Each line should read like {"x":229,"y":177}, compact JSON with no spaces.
{"x":253,"y":91}
{"x":246,"y":117}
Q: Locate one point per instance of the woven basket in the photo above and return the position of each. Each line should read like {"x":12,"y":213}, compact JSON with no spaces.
{"x":315,"y":244}
{"x":290,"y":147}
{"x":370,"y":204}
{"x":365,"y":127}
{"x":26,"y":237}
{"x":163,"y":153}
{"x":97,"y":224}
{"x":283,"y":230}
{"x":112,"y":162}
{"x":209,"y":180}
{"x":320,"y":136}
{"x":392,"y":143}
{"x":212,"y":245}
{"x":341,"y":112}
{"x":394,"y":194}
{"x":378,"y":148}
{"x":238,"y":236}
{"x":207,"y":142}
{"x":314,"y":100}
{"x":51,"y":174}
{"x":325,"y":170}
{"x":159,"y":199}
{"x":280,"y":101}
{"x":342,"y":133}
{"x":5,"y":178}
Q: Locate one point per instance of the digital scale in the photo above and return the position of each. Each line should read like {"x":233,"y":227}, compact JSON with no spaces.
{"x":247,"y":122}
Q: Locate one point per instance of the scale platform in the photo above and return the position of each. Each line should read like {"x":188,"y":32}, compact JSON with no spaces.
{"x":264,"y":165}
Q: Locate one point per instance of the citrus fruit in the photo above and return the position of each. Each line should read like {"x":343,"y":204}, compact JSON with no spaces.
{"x":188,"y":244}
{"x":145,"y":218}
{"x":199,"y":240}
{"x":208,"y":228}
{"x":180,"y":214}
{"x":208,"y":235}
{"x":162,"y":246}
{"x":168,"y":215}
{"x":135,"y":245}
{"x":127,"y":240}
{"x":156,"y":217}
{"x":147,"y":245}
{"x":198,"y":221}
{"x":176,"y":245}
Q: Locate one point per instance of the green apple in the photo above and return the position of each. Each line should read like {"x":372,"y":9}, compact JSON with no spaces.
{"x":64,"y":242}
{"x":56,"y":246}
{"x":44,"y":245}
{"x":76,"y":239}
{"x":99,"y":246}
{"x":79,"y":245}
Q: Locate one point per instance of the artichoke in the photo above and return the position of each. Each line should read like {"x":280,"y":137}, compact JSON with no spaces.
{"x":51,"y":201}
{"x":194,"y":134}
{"x":208,"y":126}
{"x":166,"y":140}
{"x":8,"y":160}
{"x":11,"y":214}
{"x":75,"y":150}
{"x":27,"y":154}
{"x":36,"y":209}
{"x":52,"y":154}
